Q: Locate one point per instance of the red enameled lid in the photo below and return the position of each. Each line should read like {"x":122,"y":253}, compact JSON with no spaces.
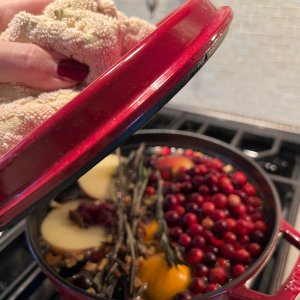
{"x":110,"y":109}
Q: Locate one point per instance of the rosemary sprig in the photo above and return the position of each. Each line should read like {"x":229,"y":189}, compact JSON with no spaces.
{"x":139,"y":191}
{"x":132,"y":247}
{"x":172,"y":257}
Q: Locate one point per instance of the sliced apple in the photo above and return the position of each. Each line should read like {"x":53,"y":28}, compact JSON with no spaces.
{"x":96,"y":182}
{"x":173,"y":162}
{"x":63,"y":235}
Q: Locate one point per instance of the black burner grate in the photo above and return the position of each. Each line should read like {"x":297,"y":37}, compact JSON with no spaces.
{"x":276,"y":152}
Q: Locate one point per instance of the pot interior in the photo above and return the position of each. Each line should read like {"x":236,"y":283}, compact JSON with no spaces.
{"x":208,"y":146}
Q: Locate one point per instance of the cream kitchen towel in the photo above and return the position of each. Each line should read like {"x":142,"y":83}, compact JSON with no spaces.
{"x":93,"y":32}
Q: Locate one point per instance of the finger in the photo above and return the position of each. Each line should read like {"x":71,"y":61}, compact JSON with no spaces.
{"x":8,"y":8}
{"x":38,"y":68}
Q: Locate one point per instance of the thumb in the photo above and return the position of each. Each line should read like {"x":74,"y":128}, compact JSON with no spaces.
{"x":38,"y":68}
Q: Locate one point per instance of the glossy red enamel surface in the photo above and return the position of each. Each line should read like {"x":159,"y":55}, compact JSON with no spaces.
{"x":110,"y":109}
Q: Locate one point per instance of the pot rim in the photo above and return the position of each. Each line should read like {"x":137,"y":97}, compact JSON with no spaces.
{"x":255,"y":266}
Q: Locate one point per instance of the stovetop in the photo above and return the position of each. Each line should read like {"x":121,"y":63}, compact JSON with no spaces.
{"x":278,"y":153}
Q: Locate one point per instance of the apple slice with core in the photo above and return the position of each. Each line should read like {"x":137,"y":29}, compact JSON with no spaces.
{"x":97,"y":181}
{"x":63,"y":235}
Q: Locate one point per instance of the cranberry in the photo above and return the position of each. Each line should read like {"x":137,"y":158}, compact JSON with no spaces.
{"x":244,"y":227}
{"x":167,"y":188}
{"x":249,"y":189}
{"x":238,"y":270}
{"x":207,"y":223}
{"x":94,"y":256}
{"x":216,"y":163}
{"x":254,"y":249}
{"x":197,"y":160}
{"x":208,"y":208}
{"x":182,"y":170}
{"x":200,"y":169}
{"x":82,"y":281}
{"x":207,"y":198}
{"x":201,"y":270}
{"x":226,"y":185}
{"x":180,"y":210}
{"x":257,"y":236}
{"x":198,"y":286}
{"x":189,"y":152}
{"x":197,"y":180}
{"x":217,"y":242}
{"x":165,"y":175}
{"x":187,"y":186}
{"x":212,"y":287}
{"x":228,"y":250}
{"x":170,"y":202}
{"x":197,"y":198}
{"x":231,"y":224}
{"x":239,"y":178}
{"x":212,"y":248}
{"x":223,"y":262}
{"x":176,"y":187}
{"x":199,"y":242}
{"x":218,"y":275}
{"x":175,"y":232}
{"x":220,"y":227}
{"x":165,"y":150}
{"x":240,"y":209}
{"x":184,"y":240}
{"x":257,"y":216}
{"x":220,"y":200}
{"x":209,"y":258}
{"x":195,"y":230}
{"x":233,"y":200}
{"x":181,"y":177}
{"x":255,"y":202}
{"x":180,"y":198}
{"x":186,"y":295}
{"x":153,"y":178}
{"x":172,"y":217}
{"x":150,"y":191}
{"x":192,"y":207}
{"x":244,"y":239}
{"x":207,"y":234}
{"x":214,"y":189}
{"x":230,"y":237}
{"x":211,"y":179}
{"x":189,"y":219}
{"x":218,"y":215}
{"x":194,"y":256}
{"x":242,"y":255}
{"x":260,"y":225}
{"x":203,"y":189}
{"x":250,"y":209}
{"x":241,"y":194}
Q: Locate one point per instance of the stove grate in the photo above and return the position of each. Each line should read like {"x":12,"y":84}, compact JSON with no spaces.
{"x":278,"y":153}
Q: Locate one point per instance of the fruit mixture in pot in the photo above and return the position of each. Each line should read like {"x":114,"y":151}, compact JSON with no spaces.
{"x":163,"y":223}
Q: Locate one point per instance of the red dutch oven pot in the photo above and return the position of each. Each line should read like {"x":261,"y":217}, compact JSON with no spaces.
{"x":234,"y":290}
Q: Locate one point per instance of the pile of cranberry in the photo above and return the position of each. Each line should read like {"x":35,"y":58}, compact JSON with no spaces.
{"x":89,"y":213}
{"x":214,"y":215}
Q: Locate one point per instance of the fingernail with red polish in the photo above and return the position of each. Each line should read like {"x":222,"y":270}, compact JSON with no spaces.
{"x":72,"y":69}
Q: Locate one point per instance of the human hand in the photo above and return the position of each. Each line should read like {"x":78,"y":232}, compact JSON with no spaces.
{"x":30,"y":64}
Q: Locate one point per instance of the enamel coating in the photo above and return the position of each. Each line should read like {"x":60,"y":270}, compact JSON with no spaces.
{"x":110,"y":109}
